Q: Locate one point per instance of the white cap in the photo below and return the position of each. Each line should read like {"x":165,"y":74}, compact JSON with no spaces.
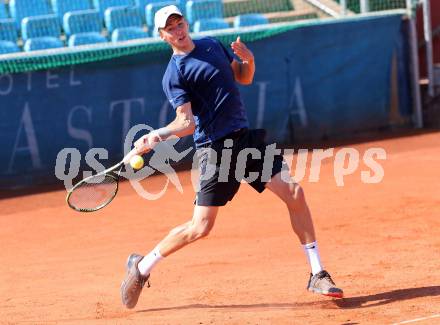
{"x":161,"y":16}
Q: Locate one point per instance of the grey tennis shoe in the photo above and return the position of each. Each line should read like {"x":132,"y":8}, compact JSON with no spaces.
{"x":322,"y":283}
{"x":134,"y":282}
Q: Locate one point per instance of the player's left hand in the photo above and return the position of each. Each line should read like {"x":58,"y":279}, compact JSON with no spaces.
{"x":240,"y":49}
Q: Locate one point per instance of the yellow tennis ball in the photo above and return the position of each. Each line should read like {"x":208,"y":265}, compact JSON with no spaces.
{"x":137,"y":162}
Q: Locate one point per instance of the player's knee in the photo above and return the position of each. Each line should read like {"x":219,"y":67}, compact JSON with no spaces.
{"x":296,"y":194}
{"x":202,"y":231}
{"x":199,"y":231}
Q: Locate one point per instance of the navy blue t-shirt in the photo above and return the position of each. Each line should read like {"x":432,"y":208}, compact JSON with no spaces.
{"x":205,"y":78}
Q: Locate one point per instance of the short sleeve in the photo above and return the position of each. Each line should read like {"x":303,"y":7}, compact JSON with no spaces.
{"x":174,"y":87}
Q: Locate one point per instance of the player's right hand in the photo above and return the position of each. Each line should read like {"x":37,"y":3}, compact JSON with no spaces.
{"x":147,"y":142}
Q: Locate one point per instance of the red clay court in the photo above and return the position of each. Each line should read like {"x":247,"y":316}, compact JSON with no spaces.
{"x":381,"y":243}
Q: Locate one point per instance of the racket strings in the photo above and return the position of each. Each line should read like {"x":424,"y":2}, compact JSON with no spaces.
{"x":93,"y":194}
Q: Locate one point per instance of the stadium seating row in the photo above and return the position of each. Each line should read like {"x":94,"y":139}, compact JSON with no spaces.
{"x":41,"y":27}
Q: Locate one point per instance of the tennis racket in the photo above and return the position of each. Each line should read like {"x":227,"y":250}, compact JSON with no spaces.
{"x":97,"y":191}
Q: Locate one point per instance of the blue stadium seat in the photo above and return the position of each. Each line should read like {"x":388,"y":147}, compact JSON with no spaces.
{"x":103,"y":5}
{"x":42,"y":43}
{"x":3,"y":13}
{"x":209,"y":24}
{"x":128,"y":33}
{"x":118,"y":17}
{"x":250,"y":20}
{"x":28,"y":8}
{"x":86,"y":39}
{"x":8,"y":47}
{"x":61,"y":7}
{"x":40,"y":26}
{"x":83,"y":21}
{"x":8,"y":30}
{"x":199,"y":9}
{"x":151,"y":10}
{"x":182,"y":6}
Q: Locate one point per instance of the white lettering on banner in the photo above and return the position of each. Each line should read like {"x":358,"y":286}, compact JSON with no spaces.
{"x":72,"y":80}
{"x":6,"y":83}
{"x":76,"y":133}
{"x":126,"y":105}
{"x":297,"y":100}
{"x":51,"y":79}
{"x":29,"y":81}
{"x":262,"y":86}
{"x":32,"y":145}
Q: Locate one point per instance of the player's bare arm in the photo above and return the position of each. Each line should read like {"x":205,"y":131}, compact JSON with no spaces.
{"x":243,"y":71}
{"x":181,"y":126}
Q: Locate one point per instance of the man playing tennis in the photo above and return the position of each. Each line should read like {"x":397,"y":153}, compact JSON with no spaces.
{"x":200,"y":85}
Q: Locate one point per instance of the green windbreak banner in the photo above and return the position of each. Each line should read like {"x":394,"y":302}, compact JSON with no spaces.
{"x":56,"y":58}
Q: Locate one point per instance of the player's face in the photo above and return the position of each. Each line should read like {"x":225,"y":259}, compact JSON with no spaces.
{"x":176,"y":32}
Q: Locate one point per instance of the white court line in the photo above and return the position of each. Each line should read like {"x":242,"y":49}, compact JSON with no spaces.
{"x":417,"y":319}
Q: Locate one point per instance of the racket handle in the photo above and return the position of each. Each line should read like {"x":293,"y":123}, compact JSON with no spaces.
{"x":132,"y":153}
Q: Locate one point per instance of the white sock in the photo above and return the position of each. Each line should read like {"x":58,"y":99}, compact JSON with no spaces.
{"x":149,"y":261}
{"x":312,"y":253}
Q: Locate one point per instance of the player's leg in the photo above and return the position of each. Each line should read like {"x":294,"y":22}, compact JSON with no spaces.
{"x":139,"y":267}
{"x":212,"y":194}
{"x":201,"y":224}
{"x":293,"y":196}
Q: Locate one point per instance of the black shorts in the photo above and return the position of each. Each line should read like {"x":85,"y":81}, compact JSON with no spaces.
{"x":242,"y":155}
